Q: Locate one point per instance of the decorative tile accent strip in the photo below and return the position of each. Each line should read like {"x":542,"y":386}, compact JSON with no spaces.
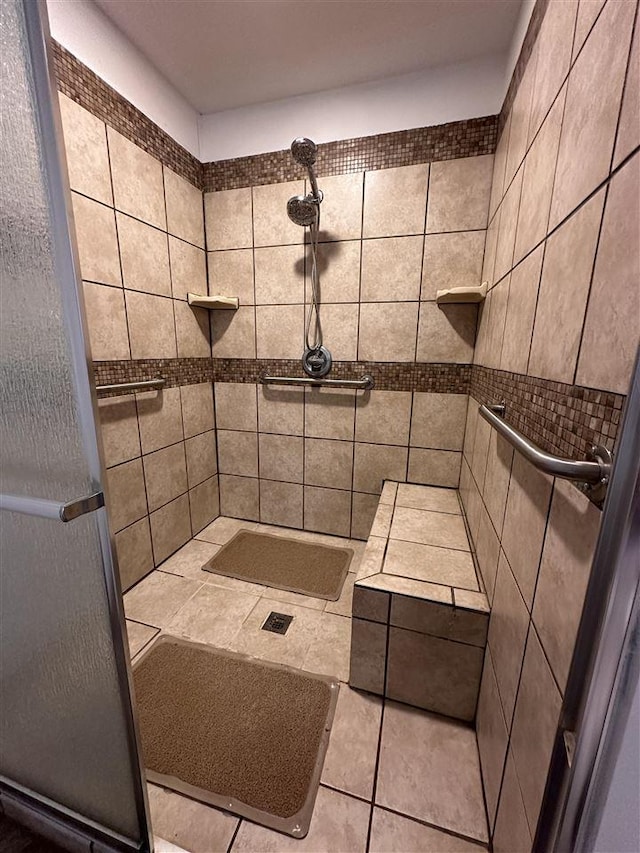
{"x":535,"y":22}
{"x":175,"y":371}
{"x":82,"y":85}
{"x":468,"y":138}
{"x":560,"y":418}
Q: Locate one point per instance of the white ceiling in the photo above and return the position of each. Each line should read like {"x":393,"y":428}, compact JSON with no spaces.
{"x":223,"y":54}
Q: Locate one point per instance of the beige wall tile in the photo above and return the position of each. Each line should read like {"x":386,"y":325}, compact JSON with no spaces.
{"x":279,"y":331}
{"x":537,"y":182}
{"x":374,"y":463}
{"x":160,"y":418}
{"x":459,"y":193}
{"x":107,"y":321}
{"x":589,"y":124}
{"x":192,"y":331}
{"x":534,"y":727}
{"x":499,"y":168}
{"x":231,"y":274}
{"x":271,"y":224}
{"x":126,"y":500}
{"x":238,"y":452}
{"x":395,"y":201}
{"x":438,"y":420}
{"x":480,"y":451}
{"x":629,"y":127}
{"x":611,"y":331}
{"x":282,"y":457}
{"x":197,"y":408}
{"x":507,"y":636}
{"x":85,"y":142}
{"x":279,"y":275}
{"x":521,"y":118}
{"x":233,"y":333}
{"x":446,"y":333}
{"x":368,"y":655}
{"x":280,"y":503}
{"x":554,"y":55}
{"x":330,"y":413}
{"x":185,"y":216}
{"x":363,"y":510}
{"x":497,"y":302}
{"x":236,"y":406}
{"x":328,"y":463}
{"x":496,"y":479}
{"x":562,"y":298}
{"x":152,"y":330}
{"x":144,"y":254}
{"x":165,"y":475}
{"x":419,"y":497}
{"x":493,"y":738}
{"x":451,"y":260}
{"x":391,"y":269}
{"x":228,"y":219}
{"x":434,"y":467}
{"x":565,"y":568}
{"x":281,"y":410}
{"x":340,"y":330}
{"x":201,"y":457}
{"x":170,"y":528}
{"x":339,"y":268}
{"x":521,"y":308}
{"x":135,"y":557}
{"x":436,"y":564}
{"x":118,"y":429}
{"x":388,"y":331}
{"x":588,"y":11}
{"x":204,"y":504}
{"x":511,"y":830}
{"x":95,"y":230}
{"x":327,"y":510}
{"x":487,"y":551}
{"x":137,"y":180}
{"x":524,"y":523}
{"x":239,"y":497}
{"x":491,"y":246}
{"x":383,"y":417}
{"x":507,"y":230}
{"x":188,"y":269}
{"x":341,"y":212}
{"x":426,"y":617}
{"x":425,"y":527}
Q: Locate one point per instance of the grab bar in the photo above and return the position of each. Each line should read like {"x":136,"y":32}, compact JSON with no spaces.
{"x":43,"y":508}
{"x":592,"y":474}
{"x":366,"y":383}
{"x":142,"y":385}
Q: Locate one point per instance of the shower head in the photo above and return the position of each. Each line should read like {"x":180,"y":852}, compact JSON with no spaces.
{"x":303,"y":210}
{"x":304,"y":151}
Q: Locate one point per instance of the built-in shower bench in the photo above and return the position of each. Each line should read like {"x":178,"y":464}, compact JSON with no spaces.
{"x":420,"y":617}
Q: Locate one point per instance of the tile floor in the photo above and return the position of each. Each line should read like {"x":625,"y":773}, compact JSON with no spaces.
{"x":394,"y":779}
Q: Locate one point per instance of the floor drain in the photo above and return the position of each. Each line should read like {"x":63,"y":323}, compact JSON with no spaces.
{"x":277,"y":623}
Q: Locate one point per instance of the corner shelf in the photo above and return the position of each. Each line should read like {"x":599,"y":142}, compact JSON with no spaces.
{"x":229,"y":303}
{"x":462,"y":294}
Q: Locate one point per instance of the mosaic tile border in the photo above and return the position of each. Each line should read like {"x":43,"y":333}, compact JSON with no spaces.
{"x":561,"y":418}
{"x":175,"y":371}
{"x":82,"y":85}
{"x":468,"y":138}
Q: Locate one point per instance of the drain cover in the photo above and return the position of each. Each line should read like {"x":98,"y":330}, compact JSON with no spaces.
{"x":277,"y":623}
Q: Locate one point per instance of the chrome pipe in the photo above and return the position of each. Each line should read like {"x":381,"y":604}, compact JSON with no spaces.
{"x":593,"y":473}
{"x":366,"y":383}
{"x":142,"y":385}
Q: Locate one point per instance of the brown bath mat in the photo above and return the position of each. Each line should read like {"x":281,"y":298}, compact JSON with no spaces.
{"x":244,"y":735}
{"x":276,"y":561}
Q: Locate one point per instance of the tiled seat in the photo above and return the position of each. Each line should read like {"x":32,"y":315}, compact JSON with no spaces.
{"x":420,"y":617}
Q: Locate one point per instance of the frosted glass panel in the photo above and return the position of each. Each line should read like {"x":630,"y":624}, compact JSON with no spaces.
{"x":65,"y":713}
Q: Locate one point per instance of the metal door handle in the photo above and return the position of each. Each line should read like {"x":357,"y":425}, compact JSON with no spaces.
{"x":52,"y":509}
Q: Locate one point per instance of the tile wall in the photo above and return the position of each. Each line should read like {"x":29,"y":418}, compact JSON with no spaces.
{"x":140,"y":236}
{"x":562,"y":258}
{"x":390,"y":238}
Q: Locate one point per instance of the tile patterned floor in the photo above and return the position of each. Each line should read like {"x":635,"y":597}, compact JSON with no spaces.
{"x":395,"y":779}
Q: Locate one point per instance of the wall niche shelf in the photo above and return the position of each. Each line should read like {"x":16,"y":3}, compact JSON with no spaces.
{"x":229,"y":303}
{"x":462,"y":294}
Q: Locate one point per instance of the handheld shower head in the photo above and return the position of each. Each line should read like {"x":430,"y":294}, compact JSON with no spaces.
{"x":304,"y":151}
{"x":303,"y":210}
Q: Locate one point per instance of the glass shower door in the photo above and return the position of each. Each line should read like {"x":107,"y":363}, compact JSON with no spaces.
{"x":68,"y":746}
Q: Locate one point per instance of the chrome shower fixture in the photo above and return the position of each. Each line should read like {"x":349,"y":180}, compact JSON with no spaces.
{"x":304,"y":210}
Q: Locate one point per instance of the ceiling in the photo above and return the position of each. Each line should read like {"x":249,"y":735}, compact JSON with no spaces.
{"x":223,"y":54}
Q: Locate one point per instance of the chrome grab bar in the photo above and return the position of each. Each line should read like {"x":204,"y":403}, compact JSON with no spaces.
{"x":592,"y":474}
{"x":52,"y":509}
{"x":366,"y":383}
{"x":142,"y":385}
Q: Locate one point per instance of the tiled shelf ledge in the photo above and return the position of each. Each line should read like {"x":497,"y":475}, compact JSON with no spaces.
{"x":420,"y":618}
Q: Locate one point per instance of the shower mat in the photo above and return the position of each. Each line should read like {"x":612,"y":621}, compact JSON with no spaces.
{"x":282,"y":563}
{"x":243,"y":735}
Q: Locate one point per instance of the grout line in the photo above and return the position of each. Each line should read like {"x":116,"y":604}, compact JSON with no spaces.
{"x":235,"y":834}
